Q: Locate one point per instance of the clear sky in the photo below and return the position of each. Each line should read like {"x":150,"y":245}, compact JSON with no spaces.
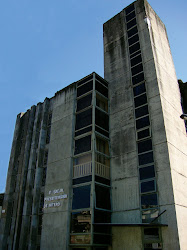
{"x":46,"y":45}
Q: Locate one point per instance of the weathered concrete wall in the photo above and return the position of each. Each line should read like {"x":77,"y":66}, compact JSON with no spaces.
{"x":124,"y":173}
{"x":174,"y":129}
{"x":55,"y":231}
{"x":126,"y":238}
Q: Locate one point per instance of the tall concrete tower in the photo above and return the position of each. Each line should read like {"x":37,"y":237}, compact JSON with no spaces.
{"x":148,"y":138}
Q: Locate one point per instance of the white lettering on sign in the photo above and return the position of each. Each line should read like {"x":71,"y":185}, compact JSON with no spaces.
{"x":54,"y":198}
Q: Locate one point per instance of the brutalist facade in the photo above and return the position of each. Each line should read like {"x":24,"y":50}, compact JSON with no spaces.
{"x":102,"y":164}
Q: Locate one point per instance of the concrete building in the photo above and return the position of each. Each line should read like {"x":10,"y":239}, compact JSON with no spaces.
{"x":102,"y":164}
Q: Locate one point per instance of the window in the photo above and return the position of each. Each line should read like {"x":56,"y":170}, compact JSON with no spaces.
{"x":84,"y":102}
{"x":83,"y":145}
{"x":101,"y":131}
{"x":130,"y":16}
{"x":133,"y":39}
{"x":142,"y":122}
{"x":145,"y":158}
{"x":142,"y":134}
{"x":83,"y":119}
{"x":140,"y":100}
{"x":129,"y":9}
{"x":142,"y":111}
{"x":134,"y":47}
{"x":101,"y":102}
{"x":137,"y":69}
{"x":144,"y":146}
{"x":83,"y":131}
{"x":148,"y":186}
{"x":138,"y":78}
{"x":85,"y":80}
{"x":131,"y":23}
{"x":81,"y":197}
{"x":147,"y":172}
{"x":102,"y":146}
{"x":151,"y":233}
{"x":101,"y":119}
{"x":84,"y":88}
{"x":81,"y":222}
{"x":140,"y":89}
{"x":101,"y":88}
{"x":149,"y":200}
{"x":136,"y":60}
{"x":102,"y":197}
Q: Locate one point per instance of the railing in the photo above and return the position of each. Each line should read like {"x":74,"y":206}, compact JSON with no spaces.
{"x":82,"y":170}
{"x":102,"y":170}
{"x":86,"y":169}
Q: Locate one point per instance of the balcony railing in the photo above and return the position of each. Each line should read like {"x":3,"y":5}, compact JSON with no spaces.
{"x":86,"y":169}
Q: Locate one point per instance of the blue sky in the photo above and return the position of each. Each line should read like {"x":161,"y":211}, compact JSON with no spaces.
{"x":46,"y":45}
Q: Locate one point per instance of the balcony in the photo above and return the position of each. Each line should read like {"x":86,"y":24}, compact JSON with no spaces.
{"x":86,"y":169}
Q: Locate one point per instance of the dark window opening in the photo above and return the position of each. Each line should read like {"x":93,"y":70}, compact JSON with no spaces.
{"x":131,"y":23}
{"x":101,"y":131}
{"x":145,"y":158}
{"x":143,"y":134}
{"x":144,"y":146}
{"x":132,"y":31}
{"x":84,"y":102}
{"x":85,"y":80}
{"x":148,"y":186}
{"x":138,"y":78}
{"x":137,"y":69}
{"x":102,"y":180}
{"x":83,"y":119}
{"x":101,"y":80}
{"x":101,"y":119}
{"x":101,"y":102}
{"x":140,"y":100}
{"x":136,"y":60}
{"x":81,"y":222}
{"x":85,"y":88}
{"x":130,"y":16}
{"x":81,"y":197}
{"x":102,"y":146}
{"x":102,"y":216}
{"x":133,"y":39}
{"x":82,"y":180}
{"x":135,"y":54}
{"x":134,"y":48}
{"x":147,"y":172}
{"x":102,"y":239}
{"x":149,"y":200}
{"x":83,"y":145}
{"x":141,"y":111}
{"x":102,"y":197}
{"x":140,"y":89}
{"x":83,"y":131}
{"x":101,"y":89}
{"x":151,"y":233}
{"x":129,"y":9}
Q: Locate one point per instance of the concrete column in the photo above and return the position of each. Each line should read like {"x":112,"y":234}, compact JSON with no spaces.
{"x":38,"y":177}
{"x":27,"y":209}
